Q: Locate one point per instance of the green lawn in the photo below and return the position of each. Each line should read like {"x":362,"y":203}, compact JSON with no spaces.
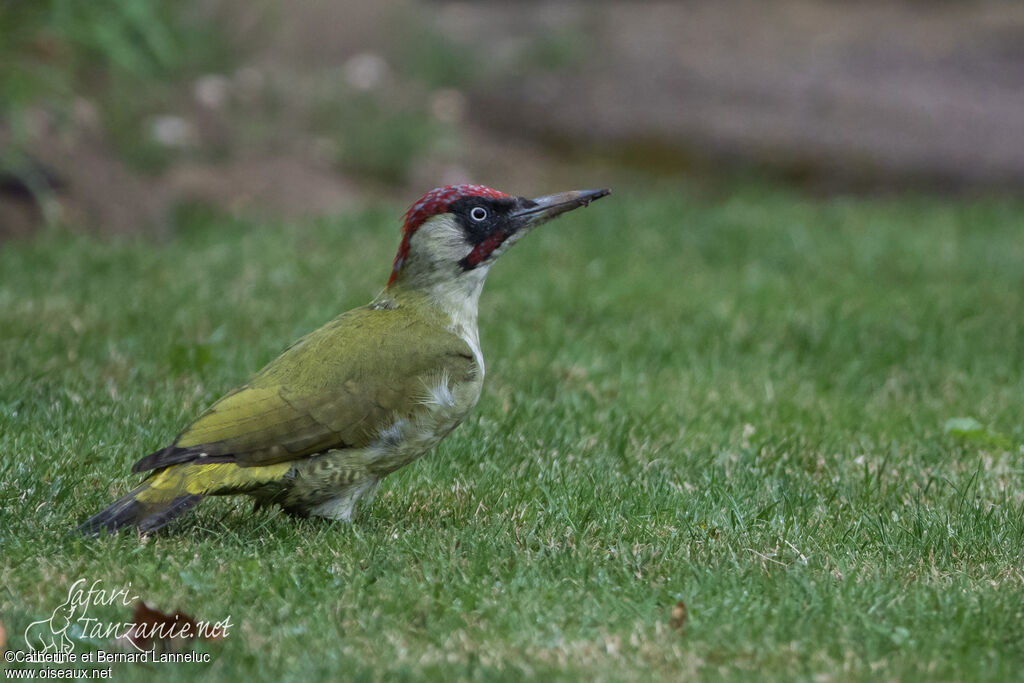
{"x":736,"y":401}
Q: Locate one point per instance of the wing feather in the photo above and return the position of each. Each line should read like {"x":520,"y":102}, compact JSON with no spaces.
{"x":338,"y":387}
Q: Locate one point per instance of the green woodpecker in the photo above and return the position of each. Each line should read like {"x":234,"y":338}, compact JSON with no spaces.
{"x":317,"y":429}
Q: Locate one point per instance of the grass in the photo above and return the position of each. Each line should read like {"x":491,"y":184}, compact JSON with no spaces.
{"x":732,"y":401}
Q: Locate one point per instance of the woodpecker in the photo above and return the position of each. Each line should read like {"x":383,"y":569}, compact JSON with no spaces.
{"x":374,"y":389}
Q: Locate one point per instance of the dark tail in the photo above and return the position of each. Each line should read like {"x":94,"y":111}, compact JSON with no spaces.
{"x":138,"y":510}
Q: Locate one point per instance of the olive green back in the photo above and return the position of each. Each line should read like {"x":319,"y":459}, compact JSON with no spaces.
{"x":337,"y":387}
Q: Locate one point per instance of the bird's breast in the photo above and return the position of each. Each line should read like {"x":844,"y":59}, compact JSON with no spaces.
{"x":442,"y":407}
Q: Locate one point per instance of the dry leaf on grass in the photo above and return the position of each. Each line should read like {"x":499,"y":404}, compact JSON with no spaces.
{"x":679,"y":615}
{"x":153,"y":629}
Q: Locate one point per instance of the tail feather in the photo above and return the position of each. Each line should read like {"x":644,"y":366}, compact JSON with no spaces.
{"x":172,"y":491}
{"x":132,"y":510}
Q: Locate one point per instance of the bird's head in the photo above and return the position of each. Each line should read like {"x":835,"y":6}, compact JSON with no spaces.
{"x":456,"y":232}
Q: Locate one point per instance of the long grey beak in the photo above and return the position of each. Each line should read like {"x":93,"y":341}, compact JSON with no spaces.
{"x":541,"y":209}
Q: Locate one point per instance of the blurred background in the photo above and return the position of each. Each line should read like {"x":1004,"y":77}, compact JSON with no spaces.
{"x":118,"y":116}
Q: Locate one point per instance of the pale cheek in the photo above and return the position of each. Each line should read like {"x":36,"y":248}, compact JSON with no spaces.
{"x":441,"y":242}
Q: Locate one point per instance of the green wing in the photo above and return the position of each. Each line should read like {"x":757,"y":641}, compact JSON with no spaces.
{"x":335,"y":388}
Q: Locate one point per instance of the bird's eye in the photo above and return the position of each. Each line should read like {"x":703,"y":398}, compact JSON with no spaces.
{"x":478,"y":213}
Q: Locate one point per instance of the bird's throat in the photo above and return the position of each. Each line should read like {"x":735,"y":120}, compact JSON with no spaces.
{"x":453,"y":300}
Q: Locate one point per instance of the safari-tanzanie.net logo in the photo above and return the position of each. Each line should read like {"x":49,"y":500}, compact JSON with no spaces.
{"x":148,"y":636}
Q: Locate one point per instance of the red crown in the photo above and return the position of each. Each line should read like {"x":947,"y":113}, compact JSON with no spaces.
{"x":432,"y":203}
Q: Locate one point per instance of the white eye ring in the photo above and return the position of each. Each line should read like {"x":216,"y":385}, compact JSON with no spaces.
{"x":478,"y":213}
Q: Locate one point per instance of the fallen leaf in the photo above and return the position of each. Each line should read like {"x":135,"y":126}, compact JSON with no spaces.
{"x":679,"y":615}
{"x":153,"y":629}
{"x":962,"y":426}
{"x":970,"y":430}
